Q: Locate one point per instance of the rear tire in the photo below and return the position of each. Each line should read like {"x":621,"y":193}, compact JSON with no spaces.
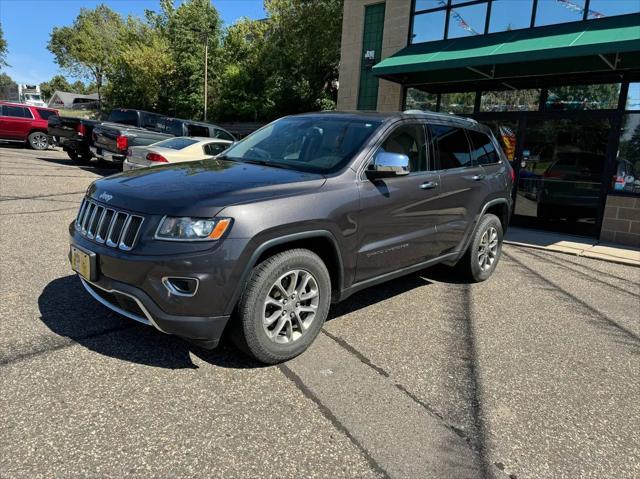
{"x":483,"y":254}
{"x":283,"y":306}
{"x":81,"y":159}
{"x":38,"y":140}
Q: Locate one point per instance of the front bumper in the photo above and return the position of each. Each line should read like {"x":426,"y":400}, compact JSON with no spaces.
{"x":133,"y":285}
{"x":204,"y":331}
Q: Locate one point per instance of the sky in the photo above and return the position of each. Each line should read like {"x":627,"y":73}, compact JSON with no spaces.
{"x":27,"y":25}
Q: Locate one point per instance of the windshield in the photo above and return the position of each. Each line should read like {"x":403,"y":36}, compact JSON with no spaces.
{"x":31,"y":96}
{"x":317,"y":144}
{"x":176,"y":143}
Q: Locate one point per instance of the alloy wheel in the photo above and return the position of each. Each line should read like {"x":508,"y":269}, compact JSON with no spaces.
{"x":290,"y":306}
{"x":39,"y":141}
{"x":488,"y":249}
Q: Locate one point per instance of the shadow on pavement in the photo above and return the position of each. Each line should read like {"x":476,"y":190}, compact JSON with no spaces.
{"x":68,"y":311}
{"x":94,"y":166}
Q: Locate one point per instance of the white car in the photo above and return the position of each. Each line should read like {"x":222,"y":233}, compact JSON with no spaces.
{"x":174,"y":150}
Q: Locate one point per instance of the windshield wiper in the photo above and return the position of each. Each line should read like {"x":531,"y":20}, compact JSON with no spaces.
{"x":265,"y":163}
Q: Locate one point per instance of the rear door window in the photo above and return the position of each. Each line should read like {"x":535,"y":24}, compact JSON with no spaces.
{"x":450,"y":146}
{"x":483,"y":151}
{"x":16,"y":111}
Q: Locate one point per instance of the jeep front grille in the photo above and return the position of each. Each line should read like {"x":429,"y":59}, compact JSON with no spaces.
{"x":115,"y":228}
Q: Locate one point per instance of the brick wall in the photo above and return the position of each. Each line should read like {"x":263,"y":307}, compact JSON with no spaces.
{"x":621,"y":223}
{"x":396,"y":30}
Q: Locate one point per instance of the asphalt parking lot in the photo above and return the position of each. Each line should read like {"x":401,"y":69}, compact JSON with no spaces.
{"x":533,"y":374}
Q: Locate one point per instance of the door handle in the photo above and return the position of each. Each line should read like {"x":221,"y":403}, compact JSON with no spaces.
{"x":429,"y":185}
{"x":477,"y":177}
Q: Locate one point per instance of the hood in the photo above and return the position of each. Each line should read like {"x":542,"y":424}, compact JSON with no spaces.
{"x":199,"y":188}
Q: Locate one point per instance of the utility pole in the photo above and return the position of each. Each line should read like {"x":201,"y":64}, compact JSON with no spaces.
{"x":206,"y":68}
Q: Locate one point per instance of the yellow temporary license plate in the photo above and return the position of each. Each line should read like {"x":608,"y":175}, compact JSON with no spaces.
{"x":81,"y":262}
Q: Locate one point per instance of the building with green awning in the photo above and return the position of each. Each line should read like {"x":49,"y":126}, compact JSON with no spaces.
{"x":557,"y":80}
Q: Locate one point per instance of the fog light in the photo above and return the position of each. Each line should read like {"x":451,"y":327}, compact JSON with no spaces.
{"x":181,"y":286}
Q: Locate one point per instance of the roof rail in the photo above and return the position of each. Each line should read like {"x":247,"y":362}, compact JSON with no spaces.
{"x":443,"y":115}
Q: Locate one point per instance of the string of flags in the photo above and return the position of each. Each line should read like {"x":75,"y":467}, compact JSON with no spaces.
{"x":577,"y":8}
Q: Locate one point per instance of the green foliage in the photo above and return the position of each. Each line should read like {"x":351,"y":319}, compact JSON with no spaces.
{"x":88,"y":48}
{"x":3,"y":48}
{"x":8,"y":88}
{"x":257,"y":69}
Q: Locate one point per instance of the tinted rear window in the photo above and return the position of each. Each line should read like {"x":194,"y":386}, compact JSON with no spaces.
{"x":176,"y":143}
{"x":45,"y":114}
{"x":451,"y":147}
{"x":198,"y":130}
{"x":126,"y":117}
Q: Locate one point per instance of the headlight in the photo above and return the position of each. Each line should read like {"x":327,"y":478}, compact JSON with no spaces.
{"x":192,"y":229}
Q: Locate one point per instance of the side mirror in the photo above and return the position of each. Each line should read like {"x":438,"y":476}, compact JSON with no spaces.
{"x":387,"y":165}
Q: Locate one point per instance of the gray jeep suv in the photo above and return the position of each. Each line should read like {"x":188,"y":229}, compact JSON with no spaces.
{"x":302,"y":213}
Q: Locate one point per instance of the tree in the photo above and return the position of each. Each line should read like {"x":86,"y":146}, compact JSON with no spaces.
{"x":3,"y":48}
{"x":143,"y":73}
{"x":187,"y":28}
{"x":304,"y":51}
{"x":89,"y":47}
{"x":8,"y":88}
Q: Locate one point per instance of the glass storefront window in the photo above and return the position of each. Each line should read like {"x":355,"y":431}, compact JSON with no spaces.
{"x":465,"y":21}
{"x":428,"y":27}
{"x":457,"y":102}
{"x":510,"y":100}
{"x":550,"y":12}
{"x":510,"y":15}
{"x":627,"y":177}
{"x":633,"y":97}
{"x":583,"y":97}
{"x":429,"y":4}
{"x":607,"y":8}
{"x":420,"y":100}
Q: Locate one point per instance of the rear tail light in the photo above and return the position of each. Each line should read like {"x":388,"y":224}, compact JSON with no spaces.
{"x":156,"y":158}
{"x":122,"y":142}
{"x":80,"y":129}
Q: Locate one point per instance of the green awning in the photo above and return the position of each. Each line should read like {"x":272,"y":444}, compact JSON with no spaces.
{"x":611,"y":43}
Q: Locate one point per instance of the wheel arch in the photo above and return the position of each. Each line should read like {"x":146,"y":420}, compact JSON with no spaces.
{"x":321,"y":242}
{"x":499,"y":207}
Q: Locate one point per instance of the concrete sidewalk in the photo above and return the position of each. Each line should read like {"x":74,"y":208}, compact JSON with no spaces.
{"x":576,"y":245}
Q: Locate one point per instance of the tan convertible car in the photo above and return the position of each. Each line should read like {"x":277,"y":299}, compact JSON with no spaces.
{"x":174,"y":150}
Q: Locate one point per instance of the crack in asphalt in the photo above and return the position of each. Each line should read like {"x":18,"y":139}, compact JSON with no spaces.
{"x":37,"y":197}
{"x":328,"y":414}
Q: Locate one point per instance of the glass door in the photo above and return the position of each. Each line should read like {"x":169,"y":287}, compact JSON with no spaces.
{"x":561,"y":173}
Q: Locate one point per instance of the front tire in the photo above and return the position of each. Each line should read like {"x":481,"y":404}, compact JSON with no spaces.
{"x":483,"y":254}
{"x":38,"y":140}
{"x":283,"y":307}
